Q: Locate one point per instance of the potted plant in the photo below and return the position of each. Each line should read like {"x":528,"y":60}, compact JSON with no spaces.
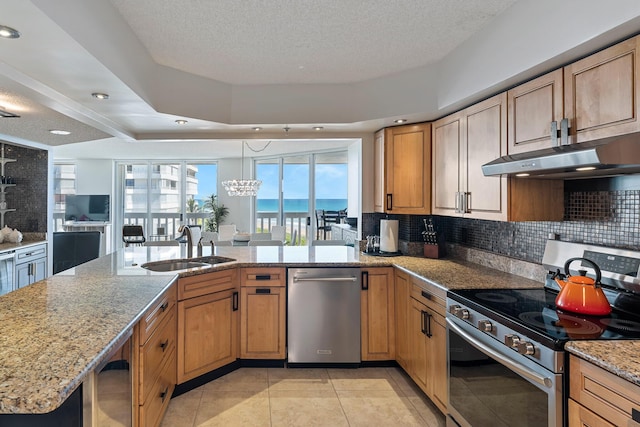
{"x":218,"y":213}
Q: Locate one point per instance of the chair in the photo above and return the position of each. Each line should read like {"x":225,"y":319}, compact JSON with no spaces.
{"x":321,"y":224}
{"x":328,"y":243}
{"x":226,"y":232}
{"x":261,"y":236}
{"x":279,"y":232}
{"x":133,"y":235}
{"x":266,"y":243}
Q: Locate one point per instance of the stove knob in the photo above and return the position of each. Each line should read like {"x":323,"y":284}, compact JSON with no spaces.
{"x":453,"y":309}
{"x":461,"y":313}
{"x":525,"y":347}
{"x":512,"y":340}
{"x":485,"y":325}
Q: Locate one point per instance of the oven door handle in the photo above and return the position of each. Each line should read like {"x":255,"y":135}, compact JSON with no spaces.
{"x":514,"y":366}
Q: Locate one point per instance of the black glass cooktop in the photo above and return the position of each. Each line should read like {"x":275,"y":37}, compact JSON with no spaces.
{"x":535,"y":310}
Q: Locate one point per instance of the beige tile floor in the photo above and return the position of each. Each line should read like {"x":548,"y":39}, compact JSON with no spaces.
{"x":305,"y":397}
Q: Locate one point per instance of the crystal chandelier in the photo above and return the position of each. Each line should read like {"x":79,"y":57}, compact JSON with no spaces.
{"x":242,"y":187}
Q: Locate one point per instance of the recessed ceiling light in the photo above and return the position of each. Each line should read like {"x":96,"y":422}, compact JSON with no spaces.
{"x":8,"y":32}
{"x":586,"y":168}
{"x":318,"y":128}
{"x":59,"y":132}
{"x":400,"y":121}
{"x":100,"y":95}
{"x":522,"y":174}
{"x":181,"y":122}
{"x":257,"y":128}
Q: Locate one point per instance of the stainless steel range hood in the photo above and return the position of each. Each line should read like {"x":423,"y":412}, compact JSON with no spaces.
{"x":606,"y":157}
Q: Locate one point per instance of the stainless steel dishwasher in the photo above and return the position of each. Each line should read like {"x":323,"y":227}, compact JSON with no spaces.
{"x":323,"y":322}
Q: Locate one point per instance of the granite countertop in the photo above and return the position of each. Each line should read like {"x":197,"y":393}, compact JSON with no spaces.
{"x":8,"y":246}
{"x":56,"y":331}
{"x":619,"y":357}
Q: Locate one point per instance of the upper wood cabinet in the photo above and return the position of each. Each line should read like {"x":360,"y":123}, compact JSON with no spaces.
{"x":597,"y":95}
{"x":462,"y":143}
{"x":532,"y":107}
{"x":602,"y":94}
{"x":402,"y":169}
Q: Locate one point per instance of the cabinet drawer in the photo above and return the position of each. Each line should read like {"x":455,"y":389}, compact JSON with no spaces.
{"x":31,"y":253}
{"x":263,"y":277}
{"x":154,"y":353}
{"x":611,"y":397}
{"x":151,"y":412}
{"x":429,"y":295}
{"x":163,"y":307}
{"x":204,"y":284}
{"x":579,"y":416}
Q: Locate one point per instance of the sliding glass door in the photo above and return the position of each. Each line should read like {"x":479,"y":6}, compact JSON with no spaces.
{"x":293,"y":187}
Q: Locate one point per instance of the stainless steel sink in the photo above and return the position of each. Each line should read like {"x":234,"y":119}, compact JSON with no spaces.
{"x":183,"y":264}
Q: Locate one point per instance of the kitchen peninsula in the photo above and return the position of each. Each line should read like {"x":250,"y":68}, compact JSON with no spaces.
{"x":61,"y":329}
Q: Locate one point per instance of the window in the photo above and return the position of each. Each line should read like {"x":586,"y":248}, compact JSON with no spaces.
{"x":161,"y":196}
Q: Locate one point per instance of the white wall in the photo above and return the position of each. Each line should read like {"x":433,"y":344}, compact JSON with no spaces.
{"x":94,"y":177}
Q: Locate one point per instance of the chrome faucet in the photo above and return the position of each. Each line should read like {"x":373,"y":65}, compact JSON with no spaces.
{"x":186,"y":231}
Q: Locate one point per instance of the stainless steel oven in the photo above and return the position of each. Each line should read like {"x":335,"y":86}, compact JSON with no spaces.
{"x":507,"y":364}
{"x":490,"y":384}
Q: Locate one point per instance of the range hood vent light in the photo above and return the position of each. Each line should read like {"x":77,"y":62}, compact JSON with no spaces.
{"x":606,"y":157}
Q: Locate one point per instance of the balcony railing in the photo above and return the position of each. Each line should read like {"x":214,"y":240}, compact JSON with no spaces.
{"x":164,"y":226}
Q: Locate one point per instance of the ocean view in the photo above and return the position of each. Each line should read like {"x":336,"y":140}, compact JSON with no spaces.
{"x":300,"y":205}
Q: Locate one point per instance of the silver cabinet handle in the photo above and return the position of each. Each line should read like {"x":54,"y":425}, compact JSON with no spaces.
{"x":564,"y":131}
{"x":554,"y":134}
{"x":457,"y":202}
{"x":514,"y":366}
{"x":324,"y":279}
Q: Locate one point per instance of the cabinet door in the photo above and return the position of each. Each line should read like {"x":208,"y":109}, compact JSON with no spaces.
{"x":408,"y":169}
{"x":437,"y":361}
{"x":402,"y":305}
{"x":486,"y":129}
{"x":207,"y":333}
{"x":579,"y":416}
{"x":262,"y":325}
{"x":377,"y":314}
{"x":602,"y":93}
{"x":23,"y":275}
{"x":418,"y":347}
{"x":532,"y":107}
{"x":448,"y":139}
{"x":379,"y":191}
{"x":39,"y":269}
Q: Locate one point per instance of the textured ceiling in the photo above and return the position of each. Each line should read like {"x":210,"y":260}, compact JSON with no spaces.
{"x":303,"y":41}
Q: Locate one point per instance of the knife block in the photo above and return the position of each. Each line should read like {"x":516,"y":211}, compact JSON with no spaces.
{"x":433,"y":251}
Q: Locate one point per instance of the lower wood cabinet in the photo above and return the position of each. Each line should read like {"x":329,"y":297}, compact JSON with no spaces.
{"x":155,"y":360}
{"x":377,"y":314}
{"x":600,"y":398}
{"x":421,"y":335}
{"x":263,"y":302}
{"x":207,"y":324}
{"x":402,"y":284}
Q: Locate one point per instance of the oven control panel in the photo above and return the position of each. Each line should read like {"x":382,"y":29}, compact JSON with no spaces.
{"x":502,"y":336}
{"x":614,"y":263}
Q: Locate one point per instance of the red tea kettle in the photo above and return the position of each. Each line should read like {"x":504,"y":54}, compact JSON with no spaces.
{"x":582,"y":294}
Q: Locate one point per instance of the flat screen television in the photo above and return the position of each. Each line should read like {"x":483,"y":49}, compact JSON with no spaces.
{"x":87,"y":207}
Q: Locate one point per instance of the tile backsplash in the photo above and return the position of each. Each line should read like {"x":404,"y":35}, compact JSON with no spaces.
{"x":603,"y":217}
{"x":29,"y":196}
